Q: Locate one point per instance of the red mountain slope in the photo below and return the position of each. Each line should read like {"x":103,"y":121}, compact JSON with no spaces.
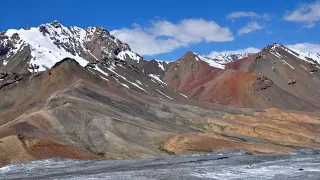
{"x":275,"y":77}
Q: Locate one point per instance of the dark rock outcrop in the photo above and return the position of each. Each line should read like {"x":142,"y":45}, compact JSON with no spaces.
{"x":262,"y":83}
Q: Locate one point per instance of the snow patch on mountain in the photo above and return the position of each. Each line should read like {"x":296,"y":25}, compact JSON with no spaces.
{"x":164,"y":94}
{"x":43,"y":50}
{"x":123,"y":55}
{"x":102,"y":72}
{"x":112,"y":69}
{"x":161,"y":63}
{"x":211,"y":62}
{"x":184,"y":95}
{"x":156,"y":77}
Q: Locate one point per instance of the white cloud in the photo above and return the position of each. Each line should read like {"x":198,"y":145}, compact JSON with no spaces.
{"x":242,"y":14}
{"x":308,"y":14}
{"x":239,"y":51}
{"x":164,"y":36}
{"x":251,"y":26}
{"x":306,"y":47}
{"x":145,"y":43}
{"x":192,"y":31}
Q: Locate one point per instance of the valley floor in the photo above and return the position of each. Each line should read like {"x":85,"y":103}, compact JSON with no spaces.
{"x":226,"y":165}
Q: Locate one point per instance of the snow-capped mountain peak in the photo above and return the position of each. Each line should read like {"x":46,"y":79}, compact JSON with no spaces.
{"x":47,"y":44}
{"x":225,"y":58}
{"x":310,"y":57}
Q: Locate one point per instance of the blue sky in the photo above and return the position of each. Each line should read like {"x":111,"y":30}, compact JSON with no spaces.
{"x":168,"y":29}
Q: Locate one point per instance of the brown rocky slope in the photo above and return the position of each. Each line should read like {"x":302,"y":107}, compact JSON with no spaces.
{"x":76,"y":112}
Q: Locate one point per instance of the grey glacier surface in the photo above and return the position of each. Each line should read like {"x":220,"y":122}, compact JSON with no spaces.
{"x":224,"y":165}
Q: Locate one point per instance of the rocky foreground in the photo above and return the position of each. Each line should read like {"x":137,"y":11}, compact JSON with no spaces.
{"x":302,"y":164}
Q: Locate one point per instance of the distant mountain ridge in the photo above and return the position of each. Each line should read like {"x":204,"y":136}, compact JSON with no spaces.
{"x":230,"y":56}
{"x":274,"y":77}
{"x":225,"y":58}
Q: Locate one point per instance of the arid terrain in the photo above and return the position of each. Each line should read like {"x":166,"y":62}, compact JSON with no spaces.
{"x":114,"y":104}
{"x":69,"y":111}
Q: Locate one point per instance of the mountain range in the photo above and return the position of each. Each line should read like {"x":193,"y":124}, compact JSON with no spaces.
{"x":82,"y":93}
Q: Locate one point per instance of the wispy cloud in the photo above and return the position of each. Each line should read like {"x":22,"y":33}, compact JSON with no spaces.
{"x":307,"y":14}
{"x":243,"y":14}
{"x":165,"y":36}
{"x":250,"y":27}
